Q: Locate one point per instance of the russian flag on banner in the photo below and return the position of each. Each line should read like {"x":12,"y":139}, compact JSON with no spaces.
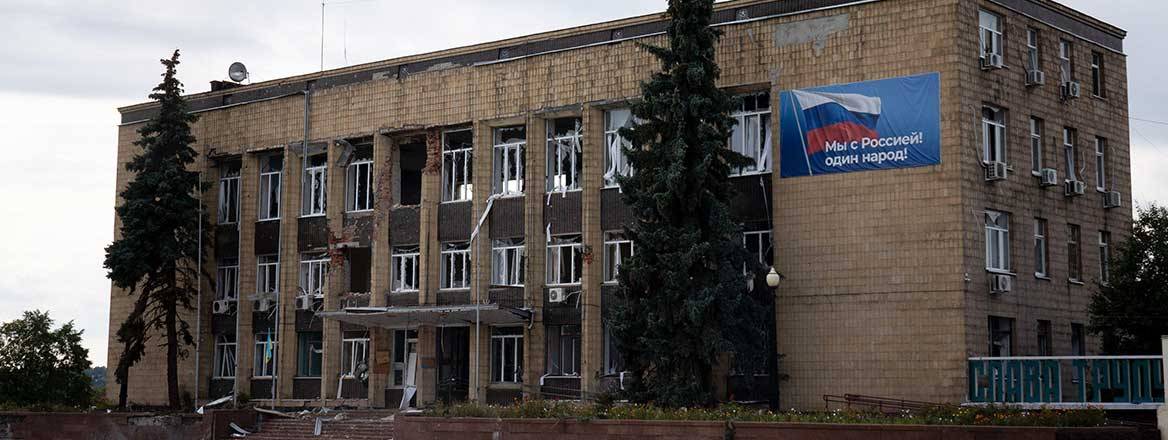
{"x":837,"y":117}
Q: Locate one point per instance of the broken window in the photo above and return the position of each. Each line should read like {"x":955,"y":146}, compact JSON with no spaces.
{"x":457,"y":165}
{"x":1066,"y":63}
{"x":227,"y":279}
{"x":266,"y":355}
{"x":993,"y":134}
{"x":224,"y":357}
{"x":564,"y":259}
{"x":309,"y":354}
{"x":455,"y":266}
{"x":315,"y":185}
{"x":1100,"y":163}
{"x":1104,"y":257}
{"x":617,"y":248}
{"x":990,"y":27}
{"x":405,"y":269}
{"x":229,"y":195}
{"x":1097,"y":74}
{"x":359,"y":180}
{"x":614,"y":363}
{"x":1070,"y":153}
{"x":507,"y":354}
{"x":508,"y":257}
{"x":354,"y":353}
{"x":751,"y":135}
{"x":615,"y":161}
{"x":509,"y":151}
{"x":269,"y":194}
{"x":997,"y":233}
{"x":564,"y":164}
{"x":411,"y":161}
{"x":759,"y":245}
{"x":268,"y":274}
{"x":405,"y":343}
{"x":314,"y":274}
{"x":1001,"y":336}
{"x":358,"y":262}
{"x":563,"y":350}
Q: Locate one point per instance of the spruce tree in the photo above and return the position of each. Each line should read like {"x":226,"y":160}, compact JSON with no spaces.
{"x":155,"y":259}
{"x":682,"y":298}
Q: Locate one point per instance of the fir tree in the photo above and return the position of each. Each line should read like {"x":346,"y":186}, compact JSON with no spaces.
{"x":155,"y":258}
{"x":682,"y":299}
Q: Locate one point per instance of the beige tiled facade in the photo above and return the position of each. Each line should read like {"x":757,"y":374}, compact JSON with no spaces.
{"x":886,"y":290}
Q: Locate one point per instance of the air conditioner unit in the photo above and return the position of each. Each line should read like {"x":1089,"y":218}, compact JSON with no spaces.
{"x":264,"y":305}
{"x":995,"y":171}
{"x":1048,"y":177}
{"x":1001,"y":283}
{"x":1112,"y":199}
{"x":991,"y":61}
{"x":1035,"y":78}
{"x":1074,"y":188}
{"x":1071,"y":89}
{"x":557,"y":295}
{"x":304,"y":302}
{"x":222,"y":306}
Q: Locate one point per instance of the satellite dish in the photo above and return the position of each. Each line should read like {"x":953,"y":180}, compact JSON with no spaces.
{"x":237,"y":72}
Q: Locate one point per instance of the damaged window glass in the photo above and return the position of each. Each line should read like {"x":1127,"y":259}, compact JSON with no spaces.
{"x":508,"y":257}
{"x":565,"y":164}
{"x":615,"y":161}
{"x":455,"y":266}
{"x":315,"y":185}
{"x":269,"y":194}
{"x":457,"y":165}
{"x":564,"y":260}
{"x":229,"y":195}
{"x":359,"y":180}
{"x":751,"y":135}
{"x":510,"y":144}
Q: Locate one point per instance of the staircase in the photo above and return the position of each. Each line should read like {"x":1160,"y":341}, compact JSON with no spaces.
{"x":354,"y":428}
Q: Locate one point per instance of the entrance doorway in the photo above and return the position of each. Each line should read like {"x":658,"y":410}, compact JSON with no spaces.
{"x":453,"y":363}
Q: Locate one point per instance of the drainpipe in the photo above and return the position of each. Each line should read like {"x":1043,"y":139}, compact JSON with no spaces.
{"x":199,"y":288}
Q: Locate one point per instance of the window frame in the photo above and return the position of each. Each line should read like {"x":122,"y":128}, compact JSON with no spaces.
{"x":997,"y":346}
{"x":996,"y":152}
{"x":1074,"y":254}
{"x":574,"y":245}
{"x":499,"y":373}
{"x":311,"y":264}
{"x":615,"y":245}
{"x":999,"y":235}
{"x":1098,"y":76}
{"x":399,"y":257}
{"x":614,"y":145}
{"x":1041,"y":248}
{"x":405,"y":342}
{"x":452,"y":156}
{"x":1101,"y":164}
{"x":503,"y":184}
{"x":571,"y":146}
{"x":315,"y":188}
{"x":1036,"y":146}
{"x":1105,"y":257}
{"x":1070,"y":153}
{"x":227,"y":275}
{"x":508,"y":262}
{"x":765,"y":253}
{"x":225,"y":346}
{"x":759,"y":149}
{"x":260,"y":367}
{"x":304,"y":341}
{"x":268,"y":274}
{"x":1066,"y":54}
{"x":1033,"y":50}
{"x":556,"y":358}
{"x":353,"y":177}
{"x":451,"y":252}
{"x":1045,"y":338}
{"x":995,"y":34}
{"x":613,"y":361}
{"x":229,"y":181}
{"x":349,"y":349}
{"x":270,"y":193}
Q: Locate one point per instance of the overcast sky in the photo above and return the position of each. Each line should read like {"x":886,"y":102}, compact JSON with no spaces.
{"x":67,"y":66}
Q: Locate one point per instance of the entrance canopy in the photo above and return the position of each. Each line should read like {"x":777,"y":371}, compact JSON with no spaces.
{"x":396,"y":317}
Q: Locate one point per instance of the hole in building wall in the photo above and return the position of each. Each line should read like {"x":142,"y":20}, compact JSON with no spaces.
{"x":408,"y":178}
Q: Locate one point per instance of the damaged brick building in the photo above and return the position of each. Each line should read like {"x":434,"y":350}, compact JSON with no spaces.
{"x":451,"y":220}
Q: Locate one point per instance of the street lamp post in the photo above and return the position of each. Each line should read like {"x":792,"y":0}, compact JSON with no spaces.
{"x":773,"y":278}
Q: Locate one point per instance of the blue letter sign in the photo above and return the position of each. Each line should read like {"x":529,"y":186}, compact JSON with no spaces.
{"x":871,"y":125}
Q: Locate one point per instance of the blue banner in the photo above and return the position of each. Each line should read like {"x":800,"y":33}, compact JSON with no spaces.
{"x":870,"y":125}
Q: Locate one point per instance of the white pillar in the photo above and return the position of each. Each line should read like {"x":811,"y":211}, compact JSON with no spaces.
{"x":1162,"y":411}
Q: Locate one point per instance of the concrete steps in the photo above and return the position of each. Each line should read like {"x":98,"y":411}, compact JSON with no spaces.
{"x":279,"y":428}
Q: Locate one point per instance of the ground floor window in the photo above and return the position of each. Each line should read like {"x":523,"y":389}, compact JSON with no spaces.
{"x":563,"y":350}
{"x":224,"y":357}
{"x":507,"y":354}
{"x":1001,"y":336}
{"x":354,"y":353}
{"x":405,"y":342}
{"x":266,"y":355}
{"x":613,"y":361}
{"x":309,"y":354}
